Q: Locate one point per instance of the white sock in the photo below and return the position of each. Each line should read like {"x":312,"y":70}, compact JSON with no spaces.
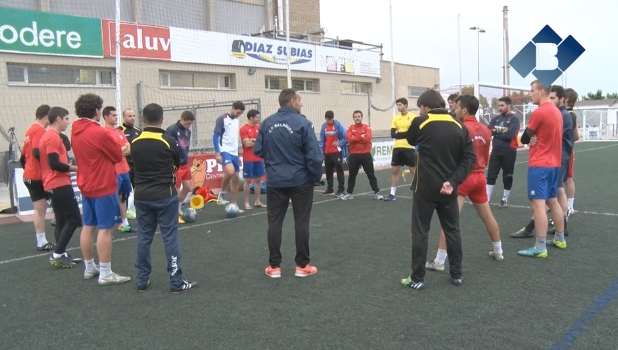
{"x":571,"y":202}
{"x":440,"y":257}
{"x":125,"y":222}
{"x":41,"y":240}
{"x":490,"y":190}
{"x":89,"y":264}
{"x":393,"y":191}
{"x":506,"y":195}
{"x":497,"y":247}
{"x":56,"y":256}
{"x":105,"y":269}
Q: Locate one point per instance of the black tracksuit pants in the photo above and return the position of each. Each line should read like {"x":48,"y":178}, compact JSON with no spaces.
{"x":277,"y":202}
{"x":355,"y":162}
{"x":67,"y":214}
{"x":502,"y":158}
{"x":333,"y":162}
{"x":422,"y":213}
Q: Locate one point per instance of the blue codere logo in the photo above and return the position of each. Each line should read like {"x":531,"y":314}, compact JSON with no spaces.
{"x":547,"y":56}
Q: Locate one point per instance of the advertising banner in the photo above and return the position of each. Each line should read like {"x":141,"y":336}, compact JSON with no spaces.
{"x":49,"y":34}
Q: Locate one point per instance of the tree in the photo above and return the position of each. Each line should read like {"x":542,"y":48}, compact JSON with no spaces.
{"x":520,"y":98}
{"x":494,"y":105}
{"x":599,"y":96}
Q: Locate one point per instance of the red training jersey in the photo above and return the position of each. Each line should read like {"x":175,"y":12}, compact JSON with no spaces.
{"x":249,"y":132}
{"x":481,"y":138}
{"x":32,"y":139}
{"x":118,"y":135}
{"x":52,"y":143}
{"x":359,"y":138}
{"x":546,"y":122}
{"x":330,"y":139}
{"x":96,"y":176}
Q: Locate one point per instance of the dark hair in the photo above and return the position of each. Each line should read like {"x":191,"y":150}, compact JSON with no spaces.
{"x":329,"y":115}
{"x":238,"y":105}
{"x":402,"y":101}
{"x":431,"y":99}
{"x":506,"y":100}
{"x":42,"y":112}
{"x":469,"y":102}
{"x":286,"y":96}
{"x":153,"y":114}
{"x":541,"y":86}
{"x":357,"y":111}
{"x":87,"y":105}
{"x":108,"y":110}
{"x":187,"y":115}
{"x":56,"y":112}
{"x":571,"y":97}
{"x":252,"y":113}
{"x":453,"y":97}
{"x":559,"y":90}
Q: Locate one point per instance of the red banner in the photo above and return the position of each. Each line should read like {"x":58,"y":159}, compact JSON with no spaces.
{"x":205,"y":171}
{"x":137,"y":41}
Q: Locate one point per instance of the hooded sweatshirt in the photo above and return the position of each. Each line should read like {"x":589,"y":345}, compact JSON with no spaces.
{"x":96,"y":152}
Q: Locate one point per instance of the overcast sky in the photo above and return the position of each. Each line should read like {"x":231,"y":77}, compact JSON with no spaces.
{"x":426,"y":34}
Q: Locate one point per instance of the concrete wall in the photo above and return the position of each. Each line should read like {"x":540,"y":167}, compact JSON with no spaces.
{"x":20,"y":102}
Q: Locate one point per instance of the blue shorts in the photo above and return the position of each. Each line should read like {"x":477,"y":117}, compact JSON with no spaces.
{"x":253,"y":170}
{"x":124,"y":183}
{"x":103,"y":212}
{"x":543,"y":183}
{"x":227,"y":158}
{"x":564,"y":173}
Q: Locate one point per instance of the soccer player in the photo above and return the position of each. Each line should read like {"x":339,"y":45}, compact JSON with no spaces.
{"x":403,"y":152}
{"x":445,"y":159}
{"x":505,"y":130}
{"x":474,"y":186}
{"x":157,"y":157}
{"x":96,"y":178}
{"x":56,"y":172}
{"x":452,"y":104}
{"x":571,"y":99}
{"x":110,"y":118}
{"x":181,"y":132}
{"x":225,"y":140}
{"x":334,"y":148}
{"x":293,"y":162}
{"x":32,"y":176}
{"x":253,"y":166}
{"x":359,"y":140}
{"x":544,"y":134}
{"x":130,"y":132}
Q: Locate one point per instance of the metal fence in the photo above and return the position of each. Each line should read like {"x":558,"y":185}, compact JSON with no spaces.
{"x":205,"y":115}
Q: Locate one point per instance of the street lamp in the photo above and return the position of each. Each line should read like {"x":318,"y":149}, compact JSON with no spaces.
{"x":478,"y":48}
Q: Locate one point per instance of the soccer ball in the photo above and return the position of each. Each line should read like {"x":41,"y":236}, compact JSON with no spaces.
{"x":231,"y":210}
{"x":189,"y":214}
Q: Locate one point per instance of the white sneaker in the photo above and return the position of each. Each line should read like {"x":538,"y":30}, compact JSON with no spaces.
{"x":91,"y":273}
{"x":346,"y":197}
{"x":378,"y":196}
{"x":433,"y":266}
{"x":496,"y":256}
{"x":114,"y":278}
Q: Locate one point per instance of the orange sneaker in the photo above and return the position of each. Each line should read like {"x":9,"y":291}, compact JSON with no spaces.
{"x":273,"y":272}
{"x":306,"y":271}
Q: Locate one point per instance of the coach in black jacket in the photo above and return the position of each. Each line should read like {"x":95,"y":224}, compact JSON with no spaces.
{"x":445,"y":157}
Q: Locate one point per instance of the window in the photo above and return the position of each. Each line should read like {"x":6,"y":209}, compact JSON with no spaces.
{"x":416,"y":91}
{"x":19,"y":74}
{"x":278,"y":83}
{"x":195,"y":80}
{"x":252,"y":2}
{"x":348,"y":87}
